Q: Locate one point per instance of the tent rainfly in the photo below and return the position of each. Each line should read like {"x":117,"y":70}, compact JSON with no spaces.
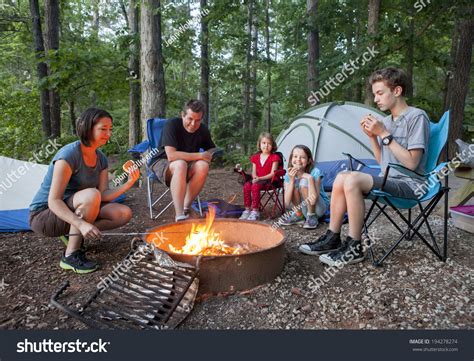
{"x":328,"y":130}
{"x":19,"y":182}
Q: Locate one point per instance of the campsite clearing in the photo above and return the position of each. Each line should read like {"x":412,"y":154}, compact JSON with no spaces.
{"x":412,"y":290}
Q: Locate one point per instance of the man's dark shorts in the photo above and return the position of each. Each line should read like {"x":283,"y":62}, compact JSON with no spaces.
{"x":160,"y":168}
{"x":396,"y":187}
{"x":48,"y":224}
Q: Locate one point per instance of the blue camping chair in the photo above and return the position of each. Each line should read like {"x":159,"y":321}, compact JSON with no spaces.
{"x":154,"y":130}
{"x":434,"y":191}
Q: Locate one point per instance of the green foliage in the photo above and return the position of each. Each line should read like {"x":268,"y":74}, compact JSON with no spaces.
{"x":90,"y":68}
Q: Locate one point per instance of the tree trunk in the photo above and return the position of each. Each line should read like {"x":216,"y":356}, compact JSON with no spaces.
{"x":253,"y":72}
{"x":134,"y":71}
{"x":313,"y":46}
{"x":51,"y":14}
{"x":95,"y":18}
{"x":451,"y":67}
{"x":72,"y":116}
{"x":372,"y":28}
{"x":151,"y":55}
{"x":204,"y":91}
{"x":410,"y":52}
{"x":268,"y":119}
{"x":246,"y":92}
{"x":41,"y":67}
{"x":460,"y":81}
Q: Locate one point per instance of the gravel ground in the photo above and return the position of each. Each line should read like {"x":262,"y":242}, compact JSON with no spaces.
{"x":413,"y":290}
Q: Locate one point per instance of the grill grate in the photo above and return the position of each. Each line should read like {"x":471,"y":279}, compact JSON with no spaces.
{"x":153,"y":292}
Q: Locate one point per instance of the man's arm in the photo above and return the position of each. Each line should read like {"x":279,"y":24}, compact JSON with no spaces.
{"x":174,"y":154}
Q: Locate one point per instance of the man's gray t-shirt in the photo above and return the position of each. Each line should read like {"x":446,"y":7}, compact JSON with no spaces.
{"x":82,"y":176}
{"x":412,"y":131}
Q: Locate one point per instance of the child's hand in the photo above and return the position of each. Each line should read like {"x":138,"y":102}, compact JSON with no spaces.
{"x":255,"y":179}
{"x":292,"y":172}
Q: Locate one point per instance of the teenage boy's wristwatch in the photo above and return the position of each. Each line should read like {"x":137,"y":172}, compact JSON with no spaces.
{"x":387,"y":140}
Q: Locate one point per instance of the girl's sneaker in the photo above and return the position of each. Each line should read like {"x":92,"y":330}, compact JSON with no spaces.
{"x":292,"y":220}
{"x":245,"y":214}
{"x":254,"y":215}
{"x":311,"y":222}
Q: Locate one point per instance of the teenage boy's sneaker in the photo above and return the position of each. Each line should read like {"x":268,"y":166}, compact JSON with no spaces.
{"x":328,"y":242}
{"x":349,"y":253}
{"x":311,"y":222}
{"x":292,"y":220}
{"x":78,"y":263}
{"x":245,"y":214}
{"x":253,"y":216}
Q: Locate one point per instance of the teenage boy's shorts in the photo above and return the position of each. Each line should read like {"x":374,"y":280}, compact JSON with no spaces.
{"x":396,"y":187}
{"x":48,"y":224}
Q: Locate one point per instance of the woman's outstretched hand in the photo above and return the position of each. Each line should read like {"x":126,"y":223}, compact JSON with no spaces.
{"x":89,"y":231}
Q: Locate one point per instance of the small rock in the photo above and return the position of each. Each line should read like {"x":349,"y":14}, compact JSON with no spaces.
{"x":297,"y":291}
{"x":306,"y":308}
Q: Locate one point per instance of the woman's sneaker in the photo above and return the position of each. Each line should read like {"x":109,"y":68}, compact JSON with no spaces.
{"x":78,"y":263}
{"x":245,"y":214}
{"x":350,"y":252}
{"x":253,"y":216}
{"x":292,"y":220}
{"x":64,"y":239}
{"x":328,"y":242}
{"x":311,"y":222}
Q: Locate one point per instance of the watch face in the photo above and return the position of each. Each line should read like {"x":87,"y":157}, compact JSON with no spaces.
{"x":385,"y":141}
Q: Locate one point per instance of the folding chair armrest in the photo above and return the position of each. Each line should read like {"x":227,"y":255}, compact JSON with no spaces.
{"x":278,"y":175}
{"x":406,"y":171}
{"x":140,"y":147}
{"x":351,"y":158}
{"x":216,"y":153}
{"x":438,"y":168}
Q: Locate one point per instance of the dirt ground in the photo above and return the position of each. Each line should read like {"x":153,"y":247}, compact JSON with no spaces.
{"x":412,"y":291}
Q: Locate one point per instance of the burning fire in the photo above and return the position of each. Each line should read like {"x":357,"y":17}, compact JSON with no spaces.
{"x":204,"y":240}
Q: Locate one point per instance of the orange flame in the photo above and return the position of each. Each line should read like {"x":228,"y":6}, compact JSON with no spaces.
{"x":204,"y":240}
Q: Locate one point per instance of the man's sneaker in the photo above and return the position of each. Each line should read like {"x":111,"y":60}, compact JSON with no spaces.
{"x":350,"y":252}
{"x":311,"y":222}
{"x":253,"y":216}
{"x":328,"y":242}
{"x":292,"y":220}
{"x":78,"y":263}
{"x":245,"y":214}
{"x":181,"y":217}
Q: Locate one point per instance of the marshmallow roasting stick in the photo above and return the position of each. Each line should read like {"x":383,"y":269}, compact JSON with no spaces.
{"x":128,"y":167}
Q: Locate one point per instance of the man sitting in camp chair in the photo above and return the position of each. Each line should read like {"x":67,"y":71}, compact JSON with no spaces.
{"x":401,"y":138}
{"x":179,"y":164}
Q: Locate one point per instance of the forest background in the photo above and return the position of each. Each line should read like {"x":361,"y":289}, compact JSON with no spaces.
{"x":253,"y":62}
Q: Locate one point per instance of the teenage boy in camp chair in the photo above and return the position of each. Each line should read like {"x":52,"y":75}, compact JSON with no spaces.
{"x":180,"y":165}
{"x":402,"y":138}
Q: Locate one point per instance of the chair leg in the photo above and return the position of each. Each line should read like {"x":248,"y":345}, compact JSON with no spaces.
{"x":150,"y":192}
{"x":415,"y":226}
{"x":445,"y":231}
{"x":199,"y":205}
{"x":409,"y":235}
{"x":163,"y":210}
